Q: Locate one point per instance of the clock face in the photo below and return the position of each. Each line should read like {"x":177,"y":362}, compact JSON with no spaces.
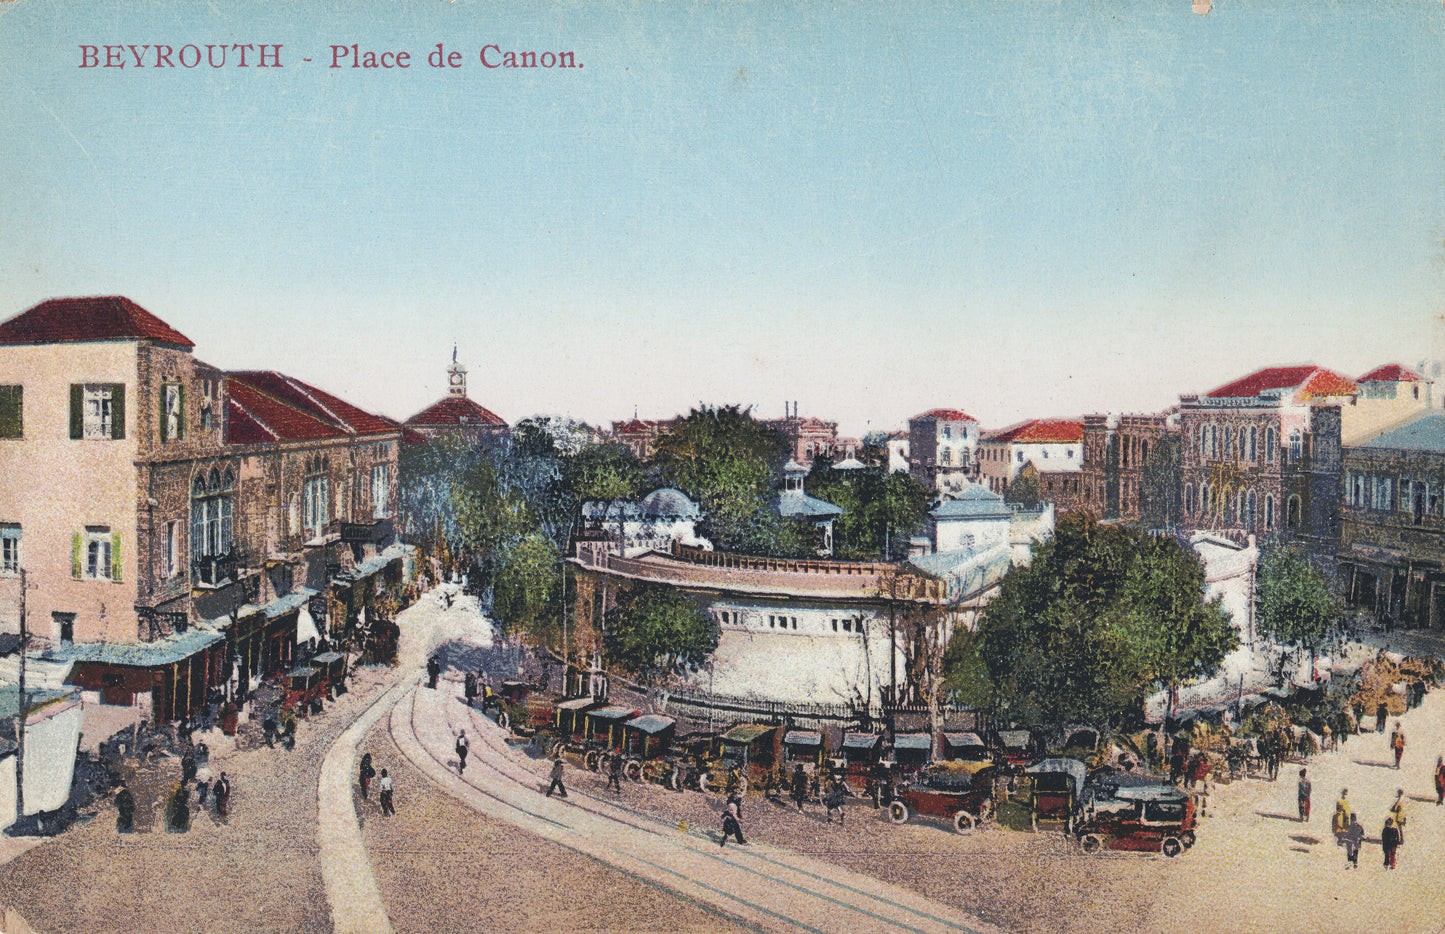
{"x":457,"y":379}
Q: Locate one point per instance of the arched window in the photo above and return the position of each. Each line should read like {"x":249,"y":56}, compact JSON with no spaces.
{"x":1226,"y":506}
{"x":1296,"y":445}
{"x":1189,"y":499}
{"x":1253,"y":444}
{"x":212,"y":497}
{"x":1268,"y":513}
{"x":1208,"y":500}
{"x":1246,"y":509}
{"x":1269,"y":445}
{"x":1292,"y":512}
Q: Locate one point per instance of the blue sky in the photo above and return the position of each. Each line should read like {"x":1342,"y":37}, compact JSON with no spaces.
{"x":1018,"y":209}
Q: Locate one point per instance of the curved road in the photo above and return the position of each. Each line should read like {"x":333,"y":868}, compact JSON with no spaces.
{"x":766,"y":888}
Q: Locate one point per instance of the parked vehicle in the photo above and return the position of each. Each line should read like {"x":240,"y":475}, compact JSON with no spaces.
{"x":333,"y":668}
{"x":569,"y":722}
{"x":1058,"y":788}
{"x":960,"y":792}
{"x":1149,"y":815}
{"x":1016,"y":748}
{"x":603,"y":733}
{"x":301,"y":687}
{"x":521,"y":707}
{"x":646,"y":742}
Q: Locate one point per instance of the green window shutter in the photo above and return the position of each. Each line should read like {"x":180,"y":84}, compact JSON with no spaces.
{"x":161,"y":425}
{"x":11,"y":411}
{"x":77,"y":405}
{"x":117,"y":424}
{"x":115,"y":556}
{"x":75,"y":546}
{"x":181,"y":417}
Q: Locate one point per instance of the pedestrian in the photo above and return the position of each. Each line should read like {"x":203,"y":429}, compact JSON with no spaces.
{"x":268,"y":729}
{"x":1340,"y":822}
{"x":1397,"y":743}
{"x":800,"y":785}
{"x":433,"y":671}
{"x":368,"y":772}
{"x":1397,"y":813}
{"x":1207,"y":797}
{"x":1439,"y":780}
{"x":188,"y":766}
{"x":731,"y":825}
{"x":462,"y":747}
{"x":557,"y":779}
{"x":221,"y":791}
{"x":1390,"y":842}
{"x":1176,"y":764}
{"x":1353,"y":836}
{"x":469,"y":688}
{"x":384,"y":783}
{"x":1304,"y":796}
{"x":203,"y":789}
{"x":1381,"y":714}
{"x":180,"y":809}
{"x":1358,"y":709}
{"x":125,"y":810}
{"x":834,"y":801}
{"x":614,"y":772}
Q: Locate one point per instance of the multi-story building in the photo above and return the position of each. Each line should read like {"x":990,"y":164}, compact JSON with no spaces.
{"x":455,"y":414}
{"x":174,"y":521}
{"x":1261,"y":456}
{"x":1388,"y":397}
{"x":1129,"y":467}
{"x":1054,"y":446}
{"x":641,"y":435}
{"x":1392,"y":547}
{"x":941,"y":449}
{"x":808,"y":437}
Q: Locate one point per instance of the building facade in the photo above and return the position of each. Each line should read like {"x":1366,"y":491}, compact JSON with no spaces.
{"x":1053,"y":447}
{"x":166,"y":511}
{"x":456,"y":414}
{"x":942,"y":448}
{"x":1126,"y":466}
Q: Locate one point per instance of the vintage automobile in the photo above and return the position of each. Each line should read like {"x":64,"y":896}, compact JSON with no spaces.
{"x":302,"y":687}
{"x":1142,"y":813}
{"x":752,"y":749}
{"x":1058,"y":787}
{"x":646,"y":742}
{"x":960,"y":792}
{"x":569,"y":724}
{"x":521,"y":707}
{"x":1016,"y":748}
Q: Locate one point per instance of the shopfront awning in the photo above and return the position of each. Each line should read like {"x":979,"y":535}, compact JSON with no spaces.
{"x":803,"y":738}
{"x":165,"y":651}
{"x":861,"y":740}
{"x":913,"y":741}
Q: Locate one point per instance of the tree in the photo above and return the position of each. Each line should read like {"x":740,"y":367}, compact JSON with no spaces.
{"x":1024,"y":490}
{"x":880,"y":510}
{"x":731,"y":464}
{"x":659,"y":631}
{"x":527,"y":594}
{"x":1098,"y":619}
{"x":1294,"y":604}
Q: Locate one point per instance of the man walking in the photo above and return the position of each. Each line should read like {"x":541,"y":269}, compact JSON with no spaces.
{"x":731,"y":825}
{"x":1353,"y":836}
{"x":1397,"y":814}
{"x":614,"y":772}
{"x":1304,"y":796}
{"x":469,"y":688}
{"x":462,"y":748}
{"x":1390,"y":842}
{"x":1439,"y":780}
{"x":385,"y":785}
{"x":433,"y":671}
{"x":800,"y":785}
{"x":221,"y":791}
{"x":1397,"y":743}
{"x":557,"y":779}
{"x":1340,"y":822}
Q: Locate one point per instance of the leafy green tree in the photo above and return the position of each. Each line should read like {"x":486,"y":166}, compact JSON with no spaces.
{"x":880,"y":510}
{"x":1024,"y":490}
{"x":527,"y":593}
{"x":1159,"y":485}
{"x":965,"y":671}
{"x":1294,"y":604}
{"x":731,"y":464}
{"x":1098,"y":619}
{"x":659,"y":631}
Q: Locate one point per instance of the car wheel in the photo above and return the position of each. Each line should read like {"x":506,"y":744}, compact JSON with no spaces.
{"x":964,"y":822}
{"x":558,"y":748}
{"x":1171,"y":847}
{"x":1187,"y":838}
{"x":503,"y":720}
{"x":591,"y":760}
{"x":633,"y":770}
{"x":1091,"y":843}
{"x":898,"y":812}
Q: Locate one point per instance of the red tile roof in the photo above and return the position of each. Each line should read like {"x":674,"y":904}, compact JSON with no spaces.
{"x":1390,"y":373}
{"x":1308,"y":382}
{"x":1041,"y":431}
{"x":455,"y":412}
{"x":268,"y":406}
{"x":951,"y":415}
{"x":99,"y":318}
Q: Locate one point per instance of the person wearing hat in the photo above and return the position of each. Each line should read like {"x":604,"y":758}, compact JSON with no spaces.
{"x":1397,"y":813}
{"x":1390,"y":841}
{"x":557,"y":779}
{"x":1397,"y":743}
{"x":1304,"y":796}
{"x":1343,"y":813}
{"x":1353,"y":836}
{"x":462,"y":748}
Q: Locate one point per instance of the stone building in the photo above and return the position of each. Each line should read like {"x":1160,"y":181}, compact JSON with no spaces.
{"x":1392,"y":547}
{"x":1052,"y":447}
{"x":1129,"y":467}
{"x":641,"y":435}
{"x":456,"y":414}
{"x":1388,"y":397}
{"x":942,"y":444}
{"x":175,"y":520}
{"x":809,"y":437}
{"x":1261,"y":456}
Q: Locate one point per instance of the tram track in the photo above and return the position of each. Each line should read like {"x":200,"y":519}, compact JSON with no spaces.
{"x":765,"y":887}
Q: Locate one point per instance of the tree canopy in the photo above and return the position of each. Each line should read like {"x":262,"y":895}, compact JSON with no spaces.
{"x":1099,"y":618}
{"x":1294,"y":604}
{"x":880,"y":510}
{"x":658,"y":631}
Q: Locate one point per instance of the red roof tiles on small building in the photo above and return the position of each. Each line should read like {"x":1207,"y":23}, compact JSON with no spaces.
{"x":1041,"y":431}
{"x":98,"y":318}
{"x":456,"y":412}
{"x":268,"y":406}
{"x":1390,"y":373}
{"x":950,"y":415}
{"x":1308,"y":382}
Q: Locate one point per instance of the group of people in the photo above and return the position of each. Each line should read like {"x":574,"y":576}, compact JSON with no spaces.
{"x":386,"y":788}
{"x":1350,"y":833}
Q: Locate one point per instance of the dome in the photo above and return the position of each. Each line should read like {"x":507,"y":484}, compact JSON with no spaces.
{"x":670,"y":503}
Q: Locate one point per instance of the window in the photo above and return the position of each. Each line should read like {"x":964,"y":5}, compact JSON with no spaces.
{"x":314,"y":497}
{"x":95,"y":554}
{"x":1269,"y":444}
{"x":173,"y":412}
{"x":10,"y":548}
{"x":1248,"y":509}
{"x":1292,"y":512}
{"x":1268,"y":512}
{"x":1296,"y":445}
{"x":212,"y":496}
{"x":947,"y":432}
{"x":12,"y":411}
{"x":380,"y":489}
{"x":1189,"y":499}
{"x":172,"y":548}
{"x":97,"y":410}
{"x":944,"y":456}
{"x":64,"y":626}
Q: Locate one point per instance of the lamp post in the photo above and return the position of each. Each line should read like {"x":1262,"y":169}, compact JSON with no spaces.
{"x":21,"y":714}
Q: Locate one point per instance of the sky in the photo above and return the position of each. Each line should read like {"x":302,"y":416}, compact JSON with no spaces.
{"x":1019,"y":209}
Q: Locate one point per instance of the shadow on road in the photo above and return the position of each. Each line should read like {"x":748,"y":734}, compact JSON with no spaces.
{"x":1301,"y":838}
{"x":1292,"y":818}
{"x":1370,"y":762}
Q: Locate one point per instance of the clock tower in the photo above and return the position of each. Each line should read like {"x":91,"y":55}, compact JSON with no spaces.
{"x":456,"y":377}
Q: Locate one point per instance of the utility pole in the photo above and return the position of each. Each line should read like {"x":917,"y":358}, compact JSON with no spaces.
{"x":21,"y":715}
